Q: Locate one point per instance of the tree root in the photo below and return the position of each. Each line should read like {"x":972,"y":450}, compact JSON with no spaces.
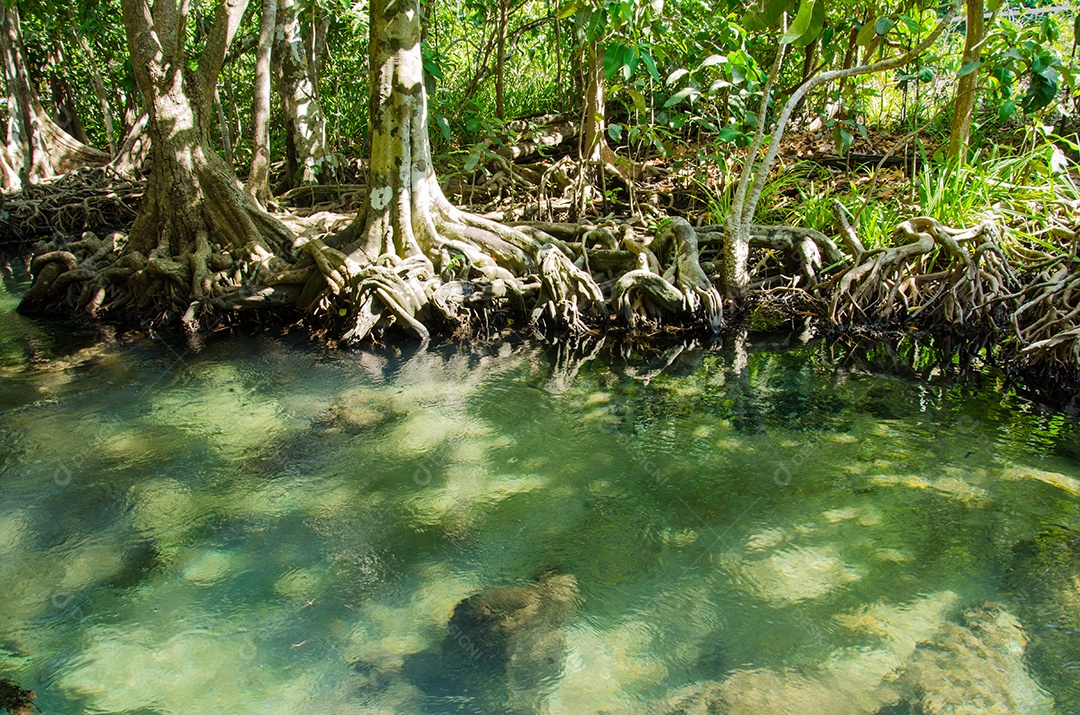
{"x":89,"y":199}
{"x":1047,"y":321}
{"x":935,"y":277}
{"x":803,"y":251}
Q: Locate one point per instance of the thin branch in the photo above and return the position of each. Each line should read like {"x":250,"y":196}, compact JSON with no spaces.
{"x":755,"y":146}
{"x":882,"y":66}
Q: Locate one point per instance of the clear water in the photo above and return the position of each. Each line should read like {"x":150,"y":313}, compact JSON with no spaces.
{"x":258,"y":525}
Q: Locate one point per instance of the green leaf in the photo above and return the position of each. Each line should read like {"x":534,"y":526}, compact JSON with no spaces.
{"x":639,"y":99}
{"x":614,"y":58}
{"x":729,"y":134}
{"x":433,"y":69}
{"x":817,"y":24}
{"x":684,"y":93}
{"x":713,"y":60}
{"x":993,"y":5}
{"x":926,"y":75}
{"x":866,"y":35}
{"x":1008,"y":108}
{"x":597,"y":25}
{"x":884,"y":26}
{"x":444,"y":126}
{"x":650,"y":64}
{"x":719,"y":84}
{"x":568,"y":9}
{"x":801,"y":25}
{"x":630,"y":62}
{"x":767,"y":16}
{"x":676,"y":76}
{"x":969,"y":68}
{"x":1043,"y":89}
{"x":842,"y":138}
{"x":615,"y":132}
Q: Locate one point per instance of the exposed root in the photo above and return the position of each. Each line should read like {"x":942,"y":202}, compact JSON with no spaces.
{"x":1047,"y":321}
{"x":678,"y":240}
{"x":942,"y":275}
{"x":89,"y":199}
{"x":803,"y":252}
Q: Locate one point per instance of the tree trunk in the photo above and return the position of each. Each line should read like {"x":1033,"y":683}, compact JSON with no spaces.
{"x":36,"y":148}
{"x":223,"y":128}
{"x":133,"y":151}
{"x":500,"y":61}
{"x":410,"y":253}
{"x":63,"y":98}
{"x":966,"y":89}
{"x":192,"y":195}
{"x":99,"y":83}
{"x":258,"y":183}
{"x":594,"y":105}
{"x":303,"y":114}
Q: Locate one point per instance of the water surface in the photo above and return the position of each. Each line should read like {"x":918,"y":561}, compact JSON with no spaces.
{"x":252,"y":524}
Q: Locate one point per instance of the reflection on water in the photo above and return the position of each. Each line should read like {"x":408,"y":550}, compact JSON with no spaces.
{"x":260,"y":526}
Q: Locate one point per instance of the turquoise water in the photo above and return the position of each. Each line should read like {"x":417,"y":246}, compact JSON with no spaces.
{"x":252,"y":524}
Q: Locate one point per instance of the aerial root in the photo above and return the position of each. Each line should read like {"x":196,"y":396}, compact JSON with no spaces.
{"x":682,"y":289}
{"x":1047,"y":321}
{"x":941,"y":275}
{"x":566,"y":291}
{"x":678,"y":240}
{"x":803,"y":253}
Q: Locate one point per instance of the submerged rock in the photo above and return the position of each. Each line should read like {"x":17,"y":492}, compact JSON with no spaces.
{"x":16,"y":700}
{"x":922,"y":660}
{"x":516,"y":625}
{"x":362,"y":409}
{"x":977,"y":669}
{"x":502,"y":644}
{"x":799,"y":573}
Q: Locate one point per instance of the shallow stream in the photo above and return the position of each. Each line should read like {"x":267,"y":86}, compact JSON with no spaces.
{"x":253,"y":524}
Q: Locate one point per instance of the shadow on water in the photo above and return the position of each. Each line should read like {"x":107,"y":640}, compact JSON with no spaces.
{"x":591,"y":525}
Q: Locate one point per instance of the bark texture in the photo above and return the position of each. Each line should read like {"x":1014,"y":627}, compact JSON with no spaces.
{"x":258,"y":182}
{"x":36,"y":147}
{"x":305,"y":123}
{"x":965,"y":90}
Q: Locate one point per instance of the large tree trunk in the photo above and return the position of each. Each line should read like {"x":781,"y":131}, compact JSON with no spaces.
{"x":191,"y":194}
{"x":196,"y":221}
{"x":304,"y":119}
{"x":966,"y":89}
{"x":36,"y":148}
{"x":411,"y":256}
{"x":258,"y":182}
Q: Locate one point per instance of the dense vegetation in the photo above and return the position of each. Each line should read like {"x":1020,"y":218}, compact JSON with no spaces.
{"x":636,"y":164}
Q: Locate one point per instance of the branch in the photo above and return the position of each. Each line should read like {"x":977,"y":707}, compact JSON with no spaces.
{"x":143,"y":42}
{"x":226,"y":22}
{"x":744,"y":181}
{"x":781,"y":123}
